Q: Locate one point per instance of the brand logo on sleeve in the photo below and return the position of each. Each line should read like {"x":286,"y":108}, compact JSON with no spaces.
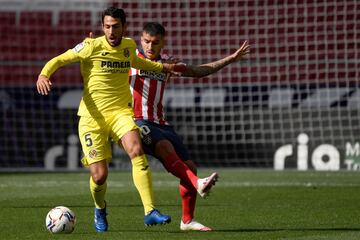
{"x":79,"y":47}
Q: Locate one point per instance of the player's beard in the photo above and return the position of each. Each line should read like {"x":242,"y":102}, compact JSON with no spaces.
{"x":114,"y":40}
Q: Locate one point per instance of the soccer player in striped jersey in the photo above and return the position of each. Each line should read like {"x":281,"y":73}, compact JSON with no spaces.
{"x":105,"y":63}
{"x":158,"y":137}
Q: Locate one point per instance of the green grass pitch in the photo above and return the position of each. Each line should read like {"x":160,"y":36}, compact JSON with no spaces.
{"x":245,"y":204}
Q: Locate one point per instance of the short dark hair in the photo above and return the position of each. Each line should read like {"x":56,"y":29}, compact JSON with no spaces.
{"x":154,"y":28}
{"x":115,"y":13}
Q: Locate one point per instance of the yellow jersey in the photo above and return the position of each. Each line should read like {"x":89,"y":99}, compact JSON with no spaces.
{"x":105,"y":72}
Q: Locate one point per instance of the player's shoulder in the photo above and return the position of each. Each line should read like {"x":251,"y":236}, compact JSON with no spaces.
{"x":86,"y":43}
{"x":128,"y":42}
{"x":140,"y":53}
{"x":95,"y":41}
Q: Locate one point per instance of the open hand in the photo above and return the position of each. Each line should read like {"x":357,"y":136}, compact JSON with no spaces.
{"x":241,"y":52}
{"x":43,"y":85}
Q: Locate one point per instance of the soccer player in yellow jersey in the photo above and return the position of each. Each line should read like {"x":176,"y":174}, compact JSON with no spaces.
{"x":105,"y":63}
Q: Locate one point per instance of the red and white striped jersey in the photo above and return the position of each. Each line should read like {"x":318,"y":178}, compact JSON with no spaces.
{"x":147,"y":88}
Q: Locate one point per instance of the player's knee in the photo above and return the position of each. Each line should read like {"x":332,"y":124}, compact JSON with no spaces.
{"x":99,"y":172}
{"x":164,"y":148}
{"x":99,"y":178}
{"x":135,"y":151}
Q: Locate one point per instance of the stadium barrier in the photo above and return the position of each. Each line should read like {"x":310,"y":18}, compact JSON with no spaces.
{"x":293,"y":104}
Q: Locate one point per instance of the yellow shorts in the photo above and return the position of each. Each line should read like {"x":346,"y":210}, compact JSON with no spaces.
{"x":96,"y":135}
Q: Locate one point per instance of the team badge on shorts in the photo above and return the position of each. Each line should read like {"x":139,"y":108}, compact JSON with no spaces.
{"x":126,"y":53}
{"x":146,"y":139}
{"x":92,"y":153}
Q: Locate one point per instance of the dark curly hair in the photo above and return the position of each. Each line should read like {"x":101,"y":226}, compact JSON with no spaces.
{"x":115,"y":13}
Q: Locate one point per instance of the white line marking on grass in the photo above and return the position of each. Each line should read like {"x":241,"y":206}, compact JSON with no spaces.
{"x":126,"y":184}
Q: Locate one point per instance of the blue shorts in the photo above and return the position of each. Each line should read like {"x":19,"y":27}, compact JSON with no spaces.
{"x":152,"y":133}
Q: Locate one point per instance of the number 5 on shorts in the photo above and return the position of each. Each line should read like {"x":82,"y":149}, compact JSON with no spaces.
{"x":88,"y":140}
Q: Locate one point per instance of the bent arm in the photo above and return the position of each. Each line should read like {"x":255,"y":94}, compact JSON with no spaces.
{"x":212,"y":67}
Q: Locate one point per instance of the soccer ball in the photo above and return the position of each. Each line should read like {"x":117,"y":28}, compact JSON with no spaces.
{"x":60,"y":220}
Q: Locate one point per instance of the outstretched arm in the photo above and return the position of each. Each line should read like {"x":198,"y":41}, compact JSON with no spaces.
{"x":212,"y":67}
{"x":81,"y":51}
{"x":43,"y":83}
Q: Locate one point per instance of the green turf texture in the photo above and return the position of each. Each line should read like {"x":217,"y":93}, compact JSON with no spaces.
{"x":245,"y":204}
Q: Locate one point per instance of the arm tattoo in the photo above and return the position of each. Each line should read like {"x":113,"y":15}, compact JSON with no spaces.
{"x":207,"y":68}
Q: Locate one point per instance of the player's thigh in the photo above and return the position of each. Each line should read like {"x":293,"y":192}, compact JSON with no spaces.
{"x":180,"y":148}
{"x":151,"y":134}
{"x":122,"y":124}
{"x":94,"y":140}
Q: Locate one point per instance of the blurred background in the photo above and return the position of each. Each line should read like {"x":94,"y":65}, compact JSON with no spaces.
{"x":293,"y":104}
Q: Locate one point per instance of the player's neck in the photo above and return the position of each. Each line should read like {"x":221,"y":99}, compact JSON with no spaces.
{"x":114,"y":46}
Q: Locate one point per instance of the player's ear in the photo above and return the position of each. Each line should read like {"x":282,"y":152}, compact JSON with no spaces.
{"x":125,"y":27}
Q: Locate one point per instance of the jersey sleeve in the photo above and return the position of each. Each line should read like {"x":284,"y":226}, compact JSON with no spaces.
{"x":143,"y":64}
{"x":78,"y":53}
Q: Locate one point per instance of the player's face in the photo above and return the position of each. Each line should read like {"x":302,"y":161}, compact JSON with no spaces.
{"x":113,"y":30}
{"x":152,"y":45}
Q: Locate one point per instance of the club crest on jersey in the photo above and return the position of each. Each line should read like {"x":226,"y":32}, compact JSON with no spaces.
{"x":126,"y":53}
{"x":79,"y":47}
{"x":92,"y":153}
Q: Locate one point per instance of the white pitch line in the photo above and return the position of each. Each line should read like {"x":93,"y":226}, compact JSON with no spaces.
{"x":220,"y":184}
